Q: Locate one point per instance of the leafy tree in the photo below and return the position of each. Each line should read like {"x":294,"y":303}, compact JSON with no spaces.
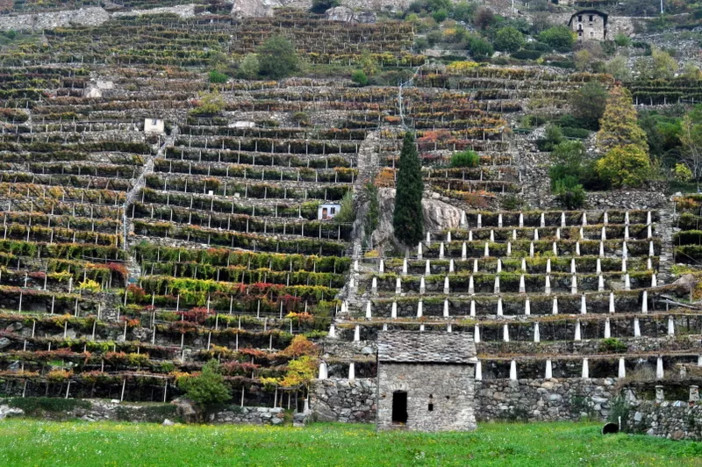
{"x":479,"y":48}
{"x":249,"y":66}
{"x":320,"y":6}
{"x":508,"y":39}
{"x":552,"y":137}
{"x":408,"y":218}
{"x":691,"y":139}
{"x":618,"y":125}
{"x":588,"y":103}
{"x":208,"y":388}
{"x":560,"y":38}
{"x":582,"y":59}
{"x":346,"y":212}
{"x":660,"y":65}
{"x":619,"y":68}
{"x":301,"y":372}
{"x":624,"y":166}
{"x":483,"y":18}
{"x":277,"y":58}
{"x":463,"y":11}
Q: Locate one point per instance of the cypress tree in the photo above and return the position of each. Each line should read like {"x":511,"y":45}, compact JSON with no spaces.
{"x":408,"y":219}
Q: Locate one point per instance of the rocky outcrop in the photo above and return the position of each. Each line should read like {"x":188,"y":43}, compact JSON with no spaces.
{"x":93,"y":16}
{"x":438,"y":215}
{"x":261,"y":8}
{"x":347,"y":15}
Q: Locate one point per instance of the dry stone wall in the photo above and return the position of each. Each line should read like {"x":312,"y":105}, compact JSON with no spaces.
{"x":668,"y":419}
{"x":343,"y":400}
{"x":543,"y":400}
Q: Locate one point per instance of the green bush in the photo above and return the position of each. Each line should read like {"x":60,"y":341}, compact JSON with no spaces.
{"x":612,"y":345}
{"x":218,"y":77}
{"x":467,"y":158}
{"x":569,"y":193}
{"x":346,"y":213}
{"x":479,"y":48}
{"x":622,"y":40}
{"x":359,"y":77}
{"x":249,"y":66}
{"x":560,"y":38}
{"x":440,"y":15}
{"x":508,"y":39}
{"x":624,"y":166}
{"x":277,"y":58}
{"x":208,"y":388}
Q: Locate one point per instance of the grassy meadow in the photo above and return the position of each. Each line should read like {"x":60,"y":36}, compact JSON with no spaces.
{"x":31,"y":442}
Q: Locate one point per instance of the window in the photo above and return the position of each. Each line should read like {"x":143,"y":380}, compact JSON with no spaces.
{"x":399,"y":408}
{"x":591,"y":18}
{"x":332,"y":210}
{"x":580,"y":18}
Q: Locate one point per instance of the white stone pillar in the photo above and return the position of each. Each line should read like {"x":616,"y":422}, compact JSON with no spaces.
{"x":505,"y":333}
{"x":537,"y":333}
{"x":555,"y":306}
{"x":659,"y":368}
{"x":586,"y":369}
{"x":420,"y":310}
{"x":513,"y":370}
{"x":577,"y":331}
{"x":479,"y":370}
{"x":357,"y":333}
{"x":548,"y":374}
{"x":393,"y":310}
{"x":332,"y":332}
{"x":368,"y":309}
{"x":446,"y":308}
{"x":476,"y":333}
{"x":527,"y":307}
{"x":323,"y":370}
{"x":471,"y":286}
{"x":499,"y":306}
{"x":671,"y":326}
{"x":637,"y":328}
{"x":622,"y":369}
{"x":583,"y":305}
{"x":352,"y":371}
{"x":607,"y":329}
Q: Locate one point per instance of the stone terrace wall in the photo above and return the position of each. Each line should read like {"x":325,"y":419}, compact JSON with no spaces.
{"x":342,"y":400}
{"x":667,"y":419}
{"x":543,"y":400}
{"x":252,"y":416}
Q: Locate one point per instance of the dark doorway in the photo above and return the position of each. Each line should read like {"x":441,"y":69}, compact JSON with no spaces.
{"x":399,"y":407}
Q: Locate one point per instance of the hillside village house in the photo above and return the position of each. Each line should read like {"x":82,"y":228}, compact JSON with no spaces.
{"x":589,"y":25}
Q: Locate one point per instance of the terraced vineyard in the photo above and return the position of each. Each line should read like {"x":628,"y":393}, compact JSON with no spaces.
{"x":143,"y":236}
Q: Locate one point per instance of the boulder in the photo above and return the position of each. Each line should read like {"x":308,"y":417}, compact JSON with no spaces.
{"x":168,"y":422}
{"x":7,"y":411}
{"x":340,"y":13}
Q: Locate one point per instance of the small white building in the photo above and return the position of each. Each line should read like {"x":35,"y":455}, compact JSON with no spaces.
{"x":154,"y":126}
{"x":327,"y":211}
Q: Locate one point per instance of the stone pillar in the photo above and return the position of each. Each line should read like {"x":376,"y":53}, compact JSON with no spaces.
{"x":694,"y":393}
{"x":660,"y":396}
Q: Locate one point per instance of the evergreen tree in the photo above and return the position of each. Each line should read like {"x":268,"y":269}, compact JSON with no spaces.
{"x":408,"y":219}
{"x":619,"y":125}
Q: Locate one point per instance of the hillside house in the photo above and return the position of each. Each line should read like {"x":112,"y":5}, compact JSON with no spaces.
{"x":589,"y":25}
{"x":426,"y":381}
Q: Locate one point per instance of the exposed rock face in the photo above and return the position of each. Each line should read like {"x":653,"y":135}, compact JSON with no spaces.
{"x":261,"y":8}
{"x":93,"y":16}
{"x":438,"y":215}
{"x":347,"y":15}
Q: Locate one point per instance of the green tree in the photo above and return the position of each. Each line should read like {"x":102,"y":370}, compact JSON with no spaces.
{"x":508,"y":39}
{"x":619,"y":68}
{"x":467,"y":158}
{"x":249,"y":66}
{"x":408,"y":218}
{"x":560,"y":38}
{"x":277,"y":58}
{"x":624,"y":166}
{"x":207,"y":389}
{"x":691,"y":139}
{"x":660,"y":65}
{"x":588,"y":103}
{"x":618,"y":125}
{"x":479,"y":48}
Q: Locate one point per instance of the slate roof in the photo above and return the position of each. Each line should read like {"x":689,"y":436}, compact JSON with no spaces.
{"x":426,"y":347}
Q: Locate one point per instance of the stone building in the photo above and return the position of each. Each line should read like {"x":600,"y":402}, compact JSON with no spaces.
{"x":589,"y":25}
{"x":426,"y":381}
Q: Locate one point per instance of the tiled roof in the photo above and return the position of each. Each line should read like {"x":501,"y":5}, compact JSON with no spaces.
{"x":426,"y":347}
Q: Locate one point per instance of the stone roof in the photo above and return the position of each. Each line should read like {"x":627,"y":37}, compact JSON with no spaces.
{"x":426,"y":347}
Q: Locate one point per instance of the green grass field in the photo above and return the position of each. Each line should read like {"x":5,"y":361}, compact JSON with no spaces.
{"x":29,"y":442}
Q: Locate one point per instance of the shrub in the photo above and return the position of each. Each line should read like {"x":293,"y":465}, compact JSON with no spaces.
{"x":211,"y":103}
{"x":479,"y":48}
{"x":301,"y":118}
{"x":613,"y":345}
{"x":483,"y":18}
{"x":560,"y":38}
{"x":622,"y":40}
{"x":346,"y":213}
{"x":624,"y":166}
{"x":682,"y":172}
{"x":218,"y":77}
{"x":359,"y":77}
{"x":277,"y":58}
{"x":208,"y":388}
{"x":440,"y":15}
{"x":467,"y":158}
{"x":588,"y":103}
{"x":508,"y":39}
{"x":569,"y":192}
{"x":249,"y":66}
